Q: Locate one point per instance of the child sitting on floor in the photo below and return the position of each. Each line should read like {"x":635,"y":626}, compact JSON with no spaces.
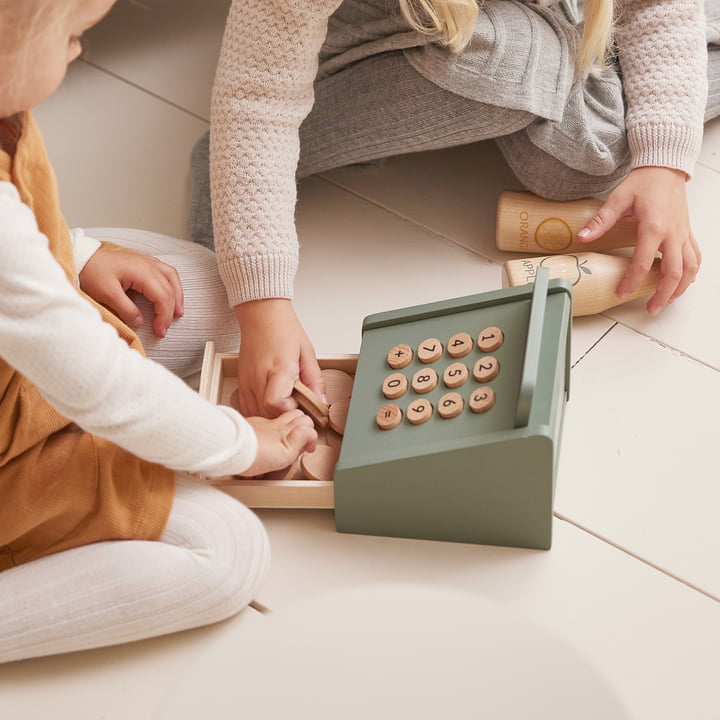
{"x":92,"y":432}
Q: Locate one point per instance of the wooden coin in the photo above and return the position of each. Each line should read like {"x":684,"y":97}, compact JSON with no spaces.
{"x":482,"y":400}
{"x":388,"y":417}
{"x":338,"y":415}
{"x":486,"y":369}
{"x":293,"y":472}
{"x":429,"y":350}
{"x":490,"y":339}
{"x":320,"y":464}
{"x":400,"y":356}
{"x":338,"y":384}
{"x":311,"y":403}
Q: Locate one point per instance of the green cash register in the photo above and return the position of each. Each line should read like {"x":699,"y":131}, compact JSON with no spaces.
{"x":453,"y":431}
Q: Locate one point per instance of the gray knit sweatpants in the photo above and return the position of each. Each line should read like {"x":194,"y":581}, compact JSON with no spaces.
{"x":381,"y":106}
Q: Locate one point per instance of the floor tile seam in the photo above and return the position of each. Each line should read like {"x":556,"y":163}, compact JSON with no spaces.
{"x":593,"y":346}
{"x":708,"y":167}
{"x":636,"y":556}
{"x":145,"y":91}
{"x":407,"y":218}
{"x":663,"y":344}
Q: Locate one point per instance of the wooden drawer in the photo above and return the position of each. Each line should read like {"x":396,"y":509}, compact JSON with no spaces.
{"x":218,"y":380}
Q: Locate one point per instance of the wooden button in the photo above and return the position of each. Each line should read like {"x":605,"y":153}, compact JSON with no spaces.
{"x":388,"y":416}
{"x":338,"y":415}
{"x":429,"y":350}
{"x":400,"y":356}
{"x":395,"y":386}
{"x":482,"y":400}
{"x":456,"y":375}
{"x":311,"y":403}
{"x":419,"y":411}
{"x":450,"y":405}
{"x":320,"y":464}
{"x":486,"y":369}
{"x":424,"y":380}
{"x":459,"y":345}
{"x":338,"y":384}
{"x":490,"y":339}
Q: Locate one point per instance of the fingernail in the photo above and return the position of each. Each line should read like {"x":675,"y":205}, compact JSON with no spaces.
{"x":622,"y":294}
{"x":655,"y":311}
{"x":584,"y":233}
{"x":324,"y":398}
{"x":138,"y":321}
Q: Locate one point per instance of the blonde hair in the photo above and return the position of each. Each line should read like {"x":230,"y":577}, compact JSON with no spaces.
{"x":452,"y":21}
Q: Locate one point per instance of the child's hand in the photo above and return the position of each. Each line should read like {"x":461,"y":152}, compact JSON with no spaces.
{"x":281,"y":440}
{"x":655,"y":198}
{"x":274,"y":352}
{"x":112,"y":271}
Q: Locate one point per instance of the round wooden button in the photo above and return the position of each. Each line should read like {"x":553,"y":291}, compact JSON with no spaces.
{"x":424,"y":380}
{"x":320,"y":464}
{"x":450,"y":405}
{"x":455,"y":375}
{"x":400,"y":356}
{"x":429,"y":350}
{"x":490,"y":339}
{"x":482,"y":400}
{"x":395,"y":386}
{"x":459,"y":345}
{"x":419,"y":411}
{"x":486,"y":369}
{"x":388,"y":416}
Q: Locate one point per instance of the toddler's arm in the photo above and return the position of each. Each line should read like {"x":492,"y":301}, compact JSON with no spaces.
{"x":58,"y":340}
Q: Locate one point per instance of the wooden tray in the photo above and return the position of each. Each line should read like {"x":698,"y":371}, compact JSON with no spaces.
{"x":218,"y":380}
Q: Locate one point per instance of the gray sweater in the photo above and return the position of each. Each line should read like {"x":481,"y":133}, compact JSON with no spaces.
{"x":273,"y":50}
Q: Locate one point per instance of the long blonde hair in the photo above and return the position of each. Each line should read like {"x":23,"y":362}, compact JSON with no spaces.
{"x":452,"y":21}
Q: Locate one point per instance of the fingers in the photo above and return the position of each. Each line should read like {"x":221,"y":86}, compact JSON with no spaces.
{"x":614,"y":208}
{"x":160,"y":284}
{"x":692,"y":258}
{"x":311,"y":374}
{"x":116,"y":299}
{"x":301,"y":436}
{"x":278,"y":391}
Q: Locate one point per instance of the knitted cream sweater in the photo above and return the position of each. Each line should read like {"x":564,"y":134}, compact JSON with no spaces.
{"x":264,"y":89}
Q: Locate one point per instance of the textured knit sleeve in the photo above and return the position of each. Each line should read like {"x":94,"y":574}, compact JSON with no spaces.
{"x":57,"y":339}
{"x":663,"y":56}
{"x":262,"y":92}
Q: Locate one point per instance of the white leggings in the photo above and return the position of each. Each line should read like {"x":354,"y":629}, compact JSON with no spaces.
{"x":213,"y":553}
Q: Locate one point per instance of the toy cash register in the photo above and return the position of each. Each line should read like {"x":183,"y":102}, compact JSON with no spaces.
{"x":453,"y":431}
{"x":454,"y":422}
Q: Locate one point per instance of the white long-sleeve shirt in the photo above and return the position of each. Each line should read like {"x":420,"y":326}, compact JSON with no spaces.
{"x":57,"y":340}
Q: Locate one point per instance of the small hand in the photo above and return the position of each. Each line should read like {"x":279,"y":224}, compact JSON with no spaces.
{"x":281,"y":440}
{"x":655,"y":198}
{"x":112,"y":271}
{"x":274,"y":352}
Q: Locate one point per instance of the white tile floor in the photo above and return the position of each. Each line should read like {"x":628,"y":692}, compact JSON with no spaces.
{"x":621,"y":619}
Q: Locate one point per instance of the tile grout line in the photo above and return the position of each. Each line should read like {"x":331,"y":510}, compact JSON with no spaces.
{"x":594,"y":345}
{"x":144,"y":90}
{"x":631,"y":554}
{"x":406,"y":218}
{"x":663,"y":344}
